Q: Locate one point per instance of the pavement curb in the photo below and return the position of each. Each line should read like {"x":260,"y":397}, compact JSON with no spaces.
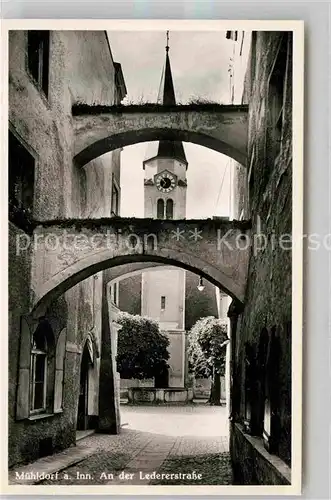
{"x":48,"y":465}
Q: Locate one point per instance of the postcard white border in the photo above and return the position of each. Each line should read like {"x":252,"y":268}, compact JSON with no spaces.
{"x":297,"y":255}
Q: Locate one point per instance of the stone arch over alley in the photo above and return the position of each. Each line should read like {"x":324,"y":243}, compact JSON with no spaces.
{"x":74,"y":250}
{"x":99,"y":129}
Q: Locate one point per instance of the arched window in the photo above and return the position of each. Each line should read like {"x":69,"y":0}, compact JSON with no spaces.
{"x":170,"y":209}
{"x":37,"y":371}
{"x":42,"y":369}
{"x":160,"y":209}
{"x":38,"y":386}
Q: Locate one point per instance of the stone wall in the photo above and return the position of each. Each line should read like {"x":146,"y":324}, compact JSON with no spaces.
{"x":268,"y":302}
{"x":81,"y":69}
{"x":252,"y":464}
{"x":126,"y":384}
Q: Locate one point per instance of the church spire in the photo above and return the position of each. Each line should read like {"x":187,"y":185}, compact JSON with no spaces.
{"x":166,"y":91}
{"x":166,"y":97}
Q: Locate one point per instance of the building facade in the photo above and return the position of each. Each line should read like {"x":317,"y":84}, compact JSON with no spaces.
{"x":261,"y":390}
{"x":54,"y":363}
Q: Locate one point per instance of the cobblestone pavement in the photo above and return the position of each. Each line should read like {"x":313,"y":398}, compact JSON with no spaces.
{"x":188,"y":440}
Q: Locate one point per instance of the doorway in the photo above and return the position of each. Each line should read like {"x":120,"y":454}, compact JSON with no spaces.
{"x":82,"y":417}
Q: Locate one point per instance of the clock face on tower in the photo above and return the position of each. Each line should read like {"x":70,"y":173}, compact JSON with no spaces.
{"x":165,"y":181}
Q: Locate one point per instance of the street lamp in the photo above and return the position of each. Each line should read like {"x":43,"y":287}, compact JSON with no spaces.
{"x":201,"y":286}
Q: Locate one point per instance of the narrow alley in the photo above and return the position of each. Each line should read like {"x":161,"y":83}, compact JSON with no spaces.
{"x":150,"y":257}
{"x":157,"y":445}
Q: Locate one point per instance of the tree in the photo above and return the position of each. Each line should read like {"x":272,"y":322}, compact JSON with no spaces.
{"x":207,"y":342}
{"x":142,"y":349}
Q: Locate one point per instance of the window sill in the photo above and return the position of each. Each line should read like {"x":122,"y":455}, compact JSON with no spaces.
{"x":276,"y":463}
{"x":40,"y":416}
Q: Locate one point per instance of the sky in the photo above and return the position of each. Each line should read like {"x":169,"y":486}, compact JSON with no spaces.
{"x":200,"y":64}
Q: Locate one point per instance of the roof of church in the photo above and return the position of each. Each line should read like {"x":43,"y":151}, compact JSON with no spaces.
{"x":166,"y":97}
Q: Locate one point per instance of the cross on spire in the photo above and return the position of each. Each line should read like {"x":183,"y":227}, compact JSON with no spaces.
{"x":167,"y":47}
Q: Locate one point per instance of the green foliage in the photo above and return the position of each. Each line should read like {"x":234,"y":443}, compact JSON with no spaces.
{"x":142,"y":349}
{"x":202,"y":101}
{"x":207,"y":347}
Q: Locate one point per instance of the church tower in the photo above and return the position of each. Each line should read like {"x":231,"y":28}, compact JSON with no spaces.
{"x":165,"y":186}
{"x":165,"y":166}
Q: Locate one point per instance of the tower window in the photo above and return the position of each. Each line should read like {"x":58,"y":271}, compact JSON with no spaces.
{"x":163,"y":303}
{"x":21,"y":180}
{"x":165,"y":210}
{"x":38,"y":57}
{"x":170,"y":209}
{"x":160,"y":209}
